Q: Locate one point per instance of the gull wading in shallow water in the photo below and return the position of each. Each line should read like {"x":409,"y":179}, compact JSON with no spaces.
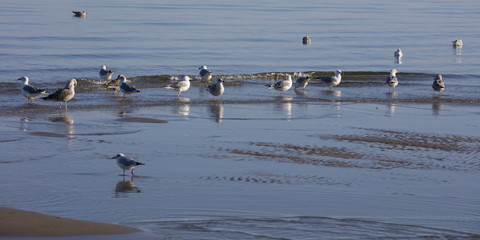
{"x":126,"y":163}
{"x":332,"y":80}
{"x":30,"y":91}
{"x":392,"y":80}
{"x":113,"y":84}
{"x":217,"y":89}
{"x":457,"y":43}
{"x":281,"y":86}
{"x":63,"y":95}
{"x":438,"y":85}
{"x":180,"y":86}
{"x":204,"y":73}
{"x":302,"y":82}
{"x":398,"y":53}
{"x":126,"y":87}
{"x":105,"y":74}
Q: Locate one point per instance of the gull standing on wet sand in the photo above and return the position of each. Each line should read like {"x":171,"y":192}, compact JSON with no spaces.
{"x":205,"y":74}
{"x":126,"y":163}
{"x":438,"y":85}
{"x":392,"y":80}
{"x":302,"y":82}
{"x":30,"y":91}
{"x":332,"y":80}
{"x":105,"y":74}
{"x":217,"y":88}
{"x":63,"y":95}
{"x":126,"y":87}
{"x":281,"y":86}
{"x":180,"y":86}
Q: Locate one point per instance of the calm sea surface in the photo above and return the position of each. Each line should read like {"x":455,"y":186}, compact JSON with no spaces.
{"x":353,"y":163}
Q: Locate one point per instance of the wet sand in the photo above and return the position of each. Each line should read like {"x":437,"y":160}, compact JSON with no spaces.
{"x":19,"y":223}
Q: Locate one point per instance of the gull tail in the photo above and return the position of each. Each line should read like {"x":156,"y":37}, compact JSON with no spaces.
{"x":139,"y":163}
{"x":269,"y":86}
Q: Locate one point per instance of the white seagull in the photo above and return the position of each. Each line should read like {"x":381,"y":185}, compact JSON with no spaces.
{"x":105,"y":74}
{"x":126,"y":87}
{"x":204,"y":73}
{"x":438,"y":84}
{"x":63,"y":95}
{"x":282,"y":86}
{"x":180,"y":86}
{"x":332,"y":80}
{"x":216,"y":89}
{"x":30,"y":91}
{"x":392,"y":80}
{"x":126,"y":163}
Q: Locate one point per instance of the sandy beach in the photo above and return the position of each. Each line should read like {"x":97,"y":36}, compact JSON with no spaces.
{"x":19,"y":223}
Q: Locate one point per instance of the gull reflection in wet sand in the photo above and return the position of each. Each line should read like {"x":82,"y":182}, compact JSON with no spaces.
{"x":333,"y":93}
{"x":437,"y":108}
{"x":124,"y":187}
{"x":391,"y":108}
{"x":301,"y":92}
{"x":216,"y":112}
{"x":285,"y":106}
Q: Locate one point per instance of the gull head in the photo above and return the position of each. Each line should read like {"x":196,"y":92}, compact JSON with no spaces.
{"x":393,"y":72}
{"x":338,"y":72}
{"x":24,"y":79}
{"x":203,"y":67}
{"x":186,"y":78}
{"x":119,"y":155}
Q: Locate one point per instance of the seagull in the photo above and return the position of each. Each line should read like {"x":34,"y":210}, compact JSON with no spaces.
{"x":282,"y":85}
{"x":30,"y":91}
{"x":205,"y":74}
{"x":332,"y":80}
{"x":457,"y":43}
{"x":126,"y":163}
{"x":180,"y":86}
{"x":398,"y":53}
{"x":217,"y":89}
{"x":302,"y":82}
{"x":306,"y":40}
{"x":438,"y":85}
{"x":126,"y":87}
{"x":79,"y":14}
{"x":105,"y":74}
{"x":392,"y":80}
{"x":63,"y":95}
{"x":113,"y":84}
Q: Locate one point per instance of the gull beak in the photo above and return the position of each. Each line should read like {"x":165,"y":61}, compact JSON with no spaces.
{"x":114,"y":157}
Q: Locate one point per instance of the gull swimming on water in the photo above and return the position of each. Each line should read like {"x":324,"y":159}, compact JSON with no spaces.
{"x":438,"y":85}
{"x":392,"y":80}
{"x":205,"y":74}
{"x":398,"y":53}
{"x":180,"y":86}
{"x":63,"y":95}
{"x":217,"y":89}
{"x":30,"y":91}
{"x":281,"y":86}
{"x":126,"y":87}
{"x":332,"y":80}
{"x":457,"y":43}
{"x":105,"y":74}
{"x":79,"y":13}
{"x":126,"y":163}
{"x":302,"y":82}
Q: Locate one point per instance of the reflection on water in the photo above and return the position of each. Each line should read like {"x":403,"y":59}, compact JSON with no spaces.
{"x":301,"y":92}
{"x":437,"y":108}
{"x":458,"y":54}
{"x":216,"y":112}
{"x":391,"y":108}
{"x":333,"y":93}
{"x":398,"y":60}
{"x":124,"y":187}
{"x":285,"y":106}
{"x":392,"y":95}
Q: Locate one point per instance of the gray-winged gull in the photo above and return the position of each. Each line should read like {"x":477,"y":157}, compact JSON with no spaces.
{"x":332,"y":80}
{"x":302,"y":82}
{"x":392,"y":80}
{"x":398,"y":53}
{"x":105,"y":74}
{"x":282,"y":86}
{"x":180,"y":86}
{"x":79,"y":13}
{"x":126,"y":163}
{"x":127,"y":88}
{"x":29,"y":91}
{"x":204,"y":73}
{"x":216,"y":89}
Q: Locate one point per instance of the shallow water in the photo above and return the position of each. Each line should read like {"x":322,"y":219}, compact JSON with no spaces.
{"x":356,"y":162}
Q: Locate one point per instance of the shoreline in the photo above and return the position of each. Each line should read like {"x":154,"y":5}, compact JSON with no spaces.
{"x":20,"y":223}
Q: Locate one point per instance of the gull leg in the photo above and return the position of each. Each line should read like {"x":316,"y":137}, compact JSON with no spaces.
{"x":132,"y":173}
